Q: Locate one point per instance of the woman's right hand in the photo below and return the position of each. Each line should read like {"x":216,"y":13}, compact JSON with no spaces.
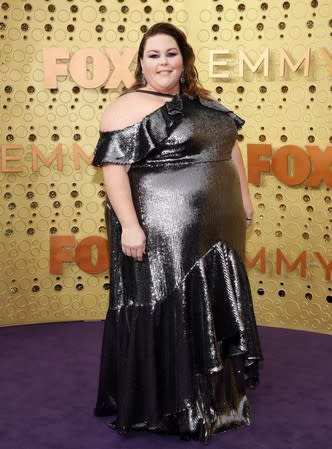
{"x":133,"y":242}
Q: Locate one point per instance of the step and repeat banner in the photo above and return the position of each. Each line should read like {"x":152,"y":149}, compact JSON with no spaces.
{"x":63,"y":61}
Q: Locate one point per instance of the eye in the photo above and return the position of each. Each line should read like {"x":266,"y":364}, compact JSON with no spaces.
{"x":153,"y":56}
{"x":171,"y":54}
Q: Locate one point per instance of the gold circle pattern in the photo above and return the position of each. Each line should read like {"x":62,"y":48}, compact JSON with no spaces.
{"x":46,"y":200}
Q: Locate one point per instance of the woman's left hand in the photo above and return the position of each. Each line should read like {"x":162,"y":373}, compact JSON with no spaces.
{"x":249,"y":211}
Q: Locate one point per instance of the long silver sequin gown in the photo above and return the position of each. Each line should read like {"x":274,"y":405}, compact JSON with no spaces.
{"x":180,"y":337}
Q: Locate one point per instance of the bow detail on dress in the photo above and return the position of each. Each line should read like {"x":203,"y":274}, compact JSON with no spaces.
{"x":173,"y":111}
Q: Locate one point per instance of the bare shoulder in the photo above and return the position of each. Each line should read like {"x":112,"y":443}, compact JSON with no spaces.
{"x":127,"y":110}
{"x":117,"y":115}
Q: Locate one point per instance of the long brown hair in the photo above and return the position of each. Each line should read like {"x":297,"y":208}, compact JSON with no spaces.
{"x":191,"y":84}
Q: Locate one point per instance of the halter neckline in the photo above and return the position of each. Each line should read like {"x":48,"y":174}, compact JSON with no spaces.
{"x":152,"y":92}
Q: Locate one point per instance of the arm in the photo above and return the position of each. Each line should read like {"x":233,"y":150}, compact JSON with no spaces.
{"x":247,"y":205}
{"x":119,"y":194}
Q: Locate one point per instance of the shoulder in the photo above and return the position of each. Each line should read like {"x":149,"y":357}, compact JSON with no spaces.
{"x":214,"y":104}
{"x":126,"y":110}
{"x":209,"y":98}
{"x":118,"y":114}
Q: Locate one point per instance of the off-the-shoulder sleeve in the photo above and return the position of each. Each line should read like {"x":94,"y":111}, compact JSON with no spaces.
{"x":135,"y":142}
{"x":124,"y":146}
{"x":239,"y":122}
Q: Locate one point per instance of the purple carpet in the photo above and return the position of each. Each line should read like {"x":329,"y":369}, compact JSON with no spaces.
{"x":48,"y":383}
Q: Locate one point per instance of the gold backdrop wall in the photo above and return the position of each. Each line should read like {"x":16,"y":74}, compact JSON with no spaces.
{"x":53,"y":253}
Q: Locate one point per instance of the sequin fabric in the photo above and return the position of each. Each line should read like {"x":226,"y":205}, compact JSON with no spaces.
{"x":180,"y":338}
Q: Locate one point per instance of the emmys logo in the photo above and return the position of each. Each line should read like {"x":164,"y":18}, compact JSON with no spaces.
{"x":91,"y":256}
{"x":93,"y":68}
{"x":292,"y":165}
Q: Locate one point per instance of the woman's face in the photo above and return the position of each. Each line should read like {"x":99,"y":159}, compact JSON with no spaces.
{"x":162,"y":64}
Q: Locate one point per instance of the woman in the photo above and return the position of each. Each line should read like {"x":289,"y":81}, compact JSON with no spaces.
{"x":180,"y":337}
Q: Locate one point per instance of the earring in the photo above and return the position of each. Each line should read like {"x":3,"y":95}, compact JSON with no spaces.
{"x":143,"y":80}
{"x":182,"y":79}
